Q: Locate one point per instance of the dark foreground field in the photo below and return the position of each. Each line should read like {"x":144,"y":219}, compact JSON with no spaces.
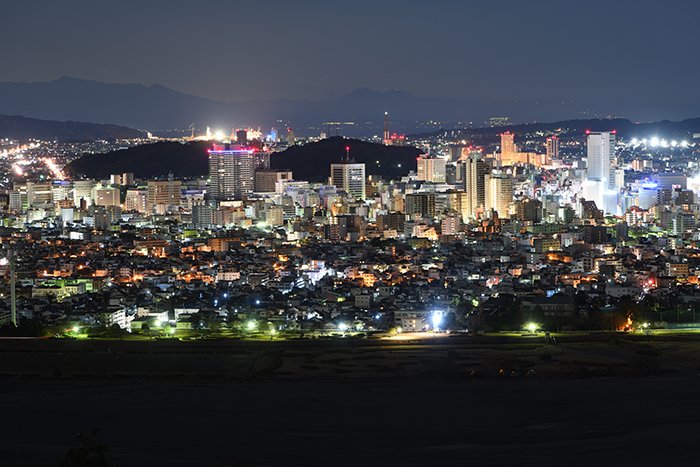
{"x":440,"y":403}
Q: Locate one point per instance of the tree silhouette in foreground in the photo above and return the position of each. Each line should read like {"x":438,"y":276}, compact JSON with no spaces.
{"x":88,"y":453}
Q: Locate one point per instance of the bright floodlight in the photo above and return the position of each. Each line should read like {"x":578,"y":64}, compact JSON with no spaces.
{"x":343,"y":326}
{"x":257,"y":302}
{"x":436,"y":319}
{"x":219,"y":134}
{"x":532,"y":327}
{"x":251,"y":325}
{"x":635,"y":141}
{"x":76,"y":329}
{"x":655,"y":141}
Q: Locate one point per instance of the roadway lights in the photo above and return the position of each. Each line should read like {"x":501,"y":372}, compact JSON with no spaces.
{"x":436,"y":318}
{"x":251,"y":325}
{"x":532,"y":327}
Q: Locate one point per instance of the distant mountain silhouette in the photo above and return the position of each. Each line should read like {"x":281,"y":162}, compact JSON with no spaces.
{"x":312,"y":161}
{"x":308,"y":162}
{"x":157,"y":107}
{"x":17,"y":127}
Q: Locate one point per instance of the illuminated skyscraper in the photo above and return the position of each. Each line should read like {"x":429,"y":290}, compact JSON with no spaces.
{"x":232,"y":170}
{"x":508,"y":143}
{"x":601,"y":148}
{"x":552,"y":149}
{"x":599,"y":183}
{"x":499,"y":194}
{"x":164,"y":194}
{"x":349,"y":177}
{"x":431,"y":169}
{"x":472,"y":171}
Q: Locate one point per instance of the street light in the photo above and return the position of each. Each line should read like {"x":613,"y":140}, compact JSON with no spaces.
{"x":436,"y":319}
{"x":532,"y":327}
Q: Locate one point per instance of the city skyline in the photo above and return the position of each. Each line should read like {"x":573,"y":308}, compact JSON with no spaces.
{"x":365,"y":233}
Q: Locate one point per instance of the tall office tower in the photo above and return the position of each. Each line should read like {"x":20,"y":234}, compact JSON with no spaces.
{"x":164,"y":195}
{"x":499,"y":194}
{"x":472,"y":172}
{"x":601,"y":148}
{"x":508,"y":143}
{"x":242,"y":137}
{"x":552,"y":149}
{"x":431,"y":169}
{"x":232,"y":170}
{"x":349,"y":177}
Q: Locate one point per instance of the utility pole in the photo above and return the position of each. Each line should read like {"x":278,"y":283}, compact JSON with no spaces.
{"x":13,"y":296}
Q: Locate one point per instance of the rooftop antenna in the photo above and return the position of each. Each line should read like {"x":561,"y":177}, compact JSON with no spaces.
{"x":386,"y":127}
{"x":347,"y":153}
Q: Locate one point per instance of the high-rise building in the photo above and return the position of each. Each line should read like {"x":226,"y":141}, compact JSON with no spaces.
{"x":508,"y":143}
{"x":600,"y":179}
{"x":349,"y":177}
{"x":266,"y":180}
{"x":552,"y":149}
{"x":420,"y":204}
{"x":499,"y":194}
{"x":136,"y":200}
{"x":510,"y":155}
{"x":472,"y":172}
{"x":450,"y":225}
{"x":529,"y":210}
{"x":164,"y":193}
{"x":242,"y":137}
{"x":107,"y":197}
{"x":601,"y":148}
{"x":431,"y":169}
{"x":83,"y":192}
{"x":232,"y":170}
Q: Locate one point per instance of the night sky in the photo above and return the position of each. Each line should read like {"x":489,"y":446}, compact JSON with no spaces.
{"x":587,"y":50}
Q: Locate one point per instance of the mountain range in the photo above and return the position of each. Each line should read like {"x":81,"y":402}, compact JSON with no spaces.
{"x":157,"y":107}
{"x":22,"y":128}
